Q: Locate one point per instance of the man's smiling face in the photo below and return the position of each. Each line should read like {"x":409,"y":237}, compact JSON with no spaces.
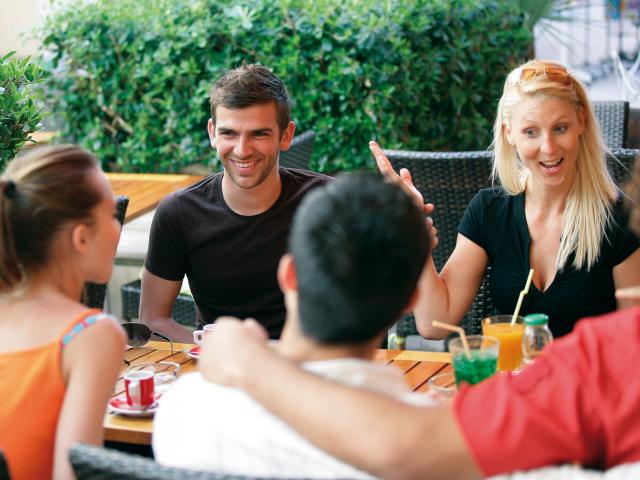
{"x":248,"y":141}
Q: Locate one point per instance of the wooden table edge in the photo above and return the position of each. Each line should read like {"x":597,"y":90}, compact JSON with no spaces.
{"x":138,"y":431}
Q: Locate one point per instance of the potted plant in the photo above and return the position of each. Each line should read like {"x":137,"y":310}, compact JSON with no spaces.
{"x":19,"y":114}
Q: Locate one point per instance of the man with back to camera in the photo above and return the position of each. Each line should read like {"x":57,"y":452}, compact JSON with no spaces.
{"x":357,"y":248}
{"x":227,"y":232}
{"x":577,"y":404}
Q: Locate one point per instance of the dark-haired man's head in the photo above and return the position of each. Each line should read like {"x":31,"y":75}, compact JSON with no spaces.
{"x":250,"y":124}
{"x":358,"y":246}
{"x":250,"y":85}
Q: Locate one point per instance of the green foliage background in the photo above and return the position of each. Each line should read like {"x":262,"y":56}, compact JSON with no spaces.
{"x":19,"y":115}
{"x":130,"y":77}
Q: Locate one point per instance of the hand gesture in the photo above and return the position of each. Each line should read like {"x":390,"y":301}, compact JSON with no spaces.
{"x":405,"y":181}
{"x":229,"y":350}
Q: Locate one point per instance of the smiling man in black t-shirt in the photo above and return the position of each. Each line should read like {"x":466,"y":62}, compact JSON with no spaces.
{"x":227,"y":232}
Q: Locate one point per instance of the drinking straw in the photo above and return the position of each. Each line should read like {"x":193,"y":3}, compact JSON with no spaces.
{"x":520,"y":297}
{"x":459,"y":331}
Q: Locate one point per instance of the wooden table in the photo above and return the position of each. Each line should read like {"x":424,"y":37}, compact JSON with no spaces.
{"x":145,"y":190}
{"x":418,"y":368}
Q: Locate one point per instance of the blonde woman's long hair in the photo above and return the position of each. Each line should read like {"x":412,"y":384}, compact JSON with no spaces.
{"x":588,"y":208}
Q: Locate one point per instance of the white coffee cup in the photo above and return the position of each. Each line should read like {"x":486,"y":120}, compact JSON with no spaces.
{"x":198,"y":335}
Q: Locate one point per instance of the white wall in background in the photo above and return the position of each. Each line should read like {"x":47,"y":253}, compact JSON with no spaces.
{"x":19,"y":17}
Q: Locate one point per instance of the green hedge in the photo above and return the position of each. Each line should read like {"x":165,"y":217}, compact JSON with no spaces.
{"x":131,"y":76}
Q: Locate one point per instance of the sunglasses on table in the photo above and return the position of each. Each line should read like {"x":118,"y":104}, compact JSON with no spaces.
{"x":138,"y":335}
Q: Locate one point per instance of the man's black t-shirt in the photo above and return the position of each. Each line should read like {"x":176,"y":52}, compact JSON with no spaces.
{"x":497,"y":222}
{"x":230,"y":260}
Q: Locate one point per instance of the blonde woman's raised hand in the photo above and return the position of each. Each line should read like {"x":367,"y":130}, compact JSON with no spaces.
{"x":406,"y":182}
{"x":404,"y":179}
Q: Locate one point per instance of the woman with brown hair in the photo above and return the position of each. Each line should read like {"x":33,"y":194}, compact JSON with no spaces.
{"x":58,"y":359}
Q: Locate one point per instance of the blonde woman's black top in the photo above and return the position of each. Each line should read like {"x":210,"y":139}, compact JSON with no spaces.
{"x":496,"y":222}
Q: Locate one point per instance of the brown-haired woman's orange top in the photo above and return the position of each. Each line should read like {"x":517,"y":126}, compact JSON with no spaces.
{"x":31,"y":394}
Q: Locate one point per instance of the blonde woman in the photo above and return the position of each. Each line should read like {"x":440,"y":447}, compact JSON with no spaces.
{"x":557,"y":211}
{"x":58,"y":359}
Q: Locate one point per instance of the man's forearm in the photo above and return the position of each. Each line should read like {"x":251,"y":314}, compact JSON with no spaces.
{"x":170,"y":328}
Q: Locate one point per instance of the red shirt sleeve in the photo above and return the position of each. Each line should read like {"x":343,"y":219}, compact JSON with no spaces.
{"x":537,"y":417}
{"x":576,"y":404}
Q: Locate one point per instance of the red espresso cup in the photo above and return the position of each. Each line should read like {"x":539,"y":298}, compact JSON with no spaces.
{"x":139,"y":386}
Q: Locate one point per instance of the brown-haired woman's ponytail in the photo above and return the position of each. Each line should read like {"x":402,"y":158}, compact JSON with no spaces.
{"x":41,"y":190}
{"x":11,"y":273}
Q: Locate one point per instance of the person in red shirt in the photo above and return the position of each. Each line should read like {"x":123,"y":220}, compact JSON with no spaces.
{"x":578,"y":403}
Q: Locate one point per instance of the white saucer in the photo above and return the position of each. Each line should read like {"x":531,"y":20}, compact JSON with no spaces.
{"x":119,"y":405}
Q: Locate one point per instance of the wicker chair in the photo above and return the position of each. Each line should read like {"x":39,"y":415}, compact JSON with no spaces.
{"x":4,"y":468}
{"x":300,"y":151}
{"x":621,"y":164}
{"x":184,"y":308}
{"x":93,"y":294}
{"x":94,"y":463}
{"x":613,"y":117}
{"x":449,"y":180}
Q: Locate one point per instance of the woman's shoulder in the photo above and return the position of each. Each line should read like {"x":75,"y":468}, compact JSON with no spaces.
{"x":621,"y":205}
{"x":59,"y":325}
{"x":496,"y":192}
{"x":620,"y":212}
{"x":618,"y":230}
{"x":91,"y":318}
{"x":93,"y":334}
{"x":493,"y":197}
{"x":68,"y":313}
{"x":85,"y":326}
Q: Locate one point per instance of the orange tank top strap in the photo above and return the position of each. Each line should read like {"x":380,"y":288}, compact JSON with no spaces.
{"x":84,"y":320}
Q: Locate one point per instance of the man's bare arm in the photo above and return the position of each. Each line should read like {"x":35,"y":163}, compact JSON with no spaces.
{"x":375,"y":433}
{"x":156,"y":304}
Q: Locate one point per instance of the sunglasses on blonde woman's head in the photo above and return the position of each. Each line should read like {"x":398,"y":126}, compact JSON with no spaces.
{"x":554,"y":74}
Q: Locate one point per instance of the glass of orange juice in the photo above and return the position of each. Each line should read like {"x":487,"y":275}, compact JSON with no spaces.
{"x":510,"y":337}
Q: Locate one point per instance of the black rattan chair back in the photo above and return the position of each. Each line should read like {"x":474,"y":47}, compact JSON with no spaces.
{"x":94,"y":463}
{"x":449,"y":180}
{"x":184,"y":308}
{"x":613,"y":118}
{"x":300,"y":151}
{"x":4,"y":468}
{"x":93,"y":294}
{"x":621,"y":164}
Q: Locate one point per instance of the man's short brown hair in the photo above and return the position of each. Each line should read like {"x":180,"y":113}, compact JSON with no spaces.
{"x":250,"y":85}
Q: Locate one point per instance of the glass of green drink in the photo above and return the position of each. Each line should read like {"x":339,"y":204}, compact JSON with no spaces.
{"x":479,"y":363}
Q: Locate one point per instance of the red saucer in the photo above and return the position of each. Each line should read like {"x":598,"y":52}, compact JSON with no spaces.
{"x":119,"y":405}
